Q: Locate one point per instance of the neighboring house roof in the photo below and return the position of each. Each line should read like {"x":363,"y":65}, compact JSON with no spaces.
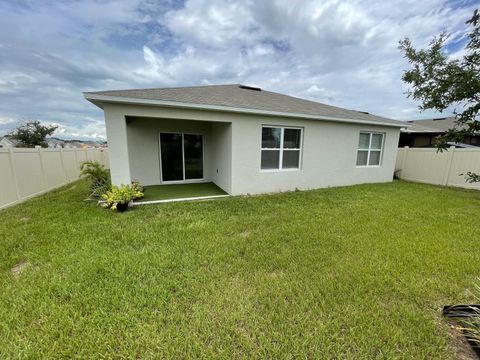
{"x":237,"y":98}
{"x":461,"y":145}
{"x":91,"y":143}
{"x":437,"y":125}
{"x":6,"y":142}
{"x":75,"y":144}
{"x":55,"y":142}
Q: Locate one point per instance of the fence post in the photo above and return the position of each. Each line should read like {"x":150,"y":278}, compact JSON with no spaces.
{"x":76,"y":159}
{"x":404,"y":160}
{"x":42,"y":167}
{"x":106,"y":158}
{"x":63,"y":166}
{"x":448,"y":165}
{"x":14,"y":172}
{"x":102,"y":157}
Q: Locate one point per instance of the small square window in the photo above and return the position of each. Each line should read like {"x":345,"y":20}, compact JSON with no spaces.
{"x":374,"y":158}
{"x":271,"y":138}
{"x":377,"y":140}
{"x":291,"y":139}
{"x":270,"y":159}
{"x":291,"y":159}
{"x":370,"y":148}
{"x":364,"y":141}
{"x":362,"y":158}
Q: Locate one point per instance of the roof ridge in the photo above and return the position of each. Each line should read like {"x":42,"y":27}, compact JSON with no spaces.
{"x":163,"y":88}
{"x":433,"y":118}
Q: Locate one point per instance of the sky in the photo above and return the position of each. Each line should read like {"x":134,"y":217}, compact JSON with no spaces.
{"x":342,"y":53}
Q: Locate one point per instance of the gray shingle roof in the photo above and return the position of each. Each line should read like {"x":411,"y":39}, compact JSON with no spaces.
{"x":236,"y":96}
{"x":437,"y":125}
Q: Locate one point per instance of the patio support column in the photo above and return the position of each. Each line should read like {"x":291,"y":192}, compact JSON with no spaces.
{"x":116,"y":126}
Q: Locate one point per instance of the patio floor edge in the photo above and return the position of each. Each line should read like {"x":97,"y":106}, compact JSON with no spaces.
{"x":138,"y":203}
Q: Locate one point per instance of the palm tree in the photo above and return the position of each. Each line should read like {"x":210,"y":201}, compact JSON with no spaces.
{"x":98,"y":177}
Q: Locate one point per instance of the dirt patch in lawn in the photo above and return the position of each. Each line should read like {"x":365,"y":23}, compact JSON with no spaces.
{"x":463,"y":350}
{"x":19,"y":268}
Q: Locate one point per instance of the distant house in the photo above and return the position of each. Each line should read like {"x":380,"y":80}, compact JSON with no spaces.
{"x":91,"y":143}
{"x":6,"y":142}
{"x":82,"y":144}
{"x":244,"y":139}
{"x":75,"y":144}
{"x":422,"y":133}
{"x":55,"y":143}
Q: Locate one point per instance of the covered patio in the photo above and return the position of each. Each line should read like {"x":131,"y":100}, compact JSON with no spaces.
{"x":166,"y":152}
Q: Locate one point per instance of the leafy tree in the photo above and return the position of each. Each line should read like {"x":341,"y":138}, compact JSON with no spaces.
{"x":32,"y":133}
{"x":439,"y":82}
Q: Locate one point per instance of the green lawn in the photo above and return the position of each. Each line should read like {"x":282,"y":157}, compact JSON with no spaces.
{"x":162,"y":192}
{"x":357,"y":272}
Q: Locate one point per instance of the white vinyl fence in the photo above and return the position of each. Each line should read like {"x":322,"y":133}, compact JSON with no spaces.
{"x":426,"y":165}
{"x":25,"y":173}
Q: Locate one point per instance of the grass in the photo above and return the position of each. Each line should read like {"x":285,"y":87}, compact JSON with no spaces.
{"x":162,"y":192}
{"x":356,"y":272}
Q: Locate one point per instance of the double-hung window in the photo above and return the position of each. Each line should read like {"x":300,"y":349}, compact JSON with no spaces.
{"x":370,"y":148}
{"x":281,"y":148}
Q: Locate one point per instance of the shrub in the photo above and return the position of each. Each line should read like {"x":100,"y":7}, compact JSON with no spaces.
{"x":471,"y":177}
{"x":137,"y":187}
{"x":98,"y":177}
{"x":470,"y":325}
{"x":119,"y":196}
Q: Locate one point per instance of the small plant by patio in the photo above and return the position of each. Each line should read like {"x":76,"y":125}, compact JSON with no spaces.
{"x":136,"y":186}
{"x":119,"y":197}
{"x":98,"y":178}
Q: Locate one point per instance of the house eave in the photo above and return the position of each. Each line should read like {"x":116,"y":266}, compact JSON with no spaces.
{"x":423,"y":131}
{"x":99,"y":100}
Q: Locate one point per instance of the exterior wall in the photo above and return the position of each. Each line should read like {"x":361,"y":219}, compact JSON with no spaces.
{"x":423,"y":140}
{"x":222,"y":155}
{"x":328,"y":158}
{"x":329,"y":150}
{"x":116,"y":128}
{"x":143,"y":146}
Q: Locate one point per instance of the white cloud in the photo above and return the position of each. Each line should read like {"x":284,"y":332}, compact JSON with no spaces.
{"x":6,"y":120}
{"x":210,"y":23}
{"x":347,"y":49}
{"x":339,"y":52}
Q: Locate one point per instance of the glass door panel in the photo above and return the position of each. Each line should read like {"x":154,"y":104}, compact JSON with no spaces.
{"x":193,"y":152}
{"x":171,"y":157}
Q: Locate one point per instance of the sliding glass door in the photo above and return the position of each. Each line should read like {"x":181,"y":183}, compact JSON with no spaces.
{"x":193,"y":152}
{"x":172,"y":157}
{"x":181,"y":156}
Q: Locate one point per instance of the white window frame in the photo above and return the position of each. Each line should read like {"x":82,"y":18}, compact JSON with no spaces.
{"x":371,"y":133}
{"x":282,"y":149}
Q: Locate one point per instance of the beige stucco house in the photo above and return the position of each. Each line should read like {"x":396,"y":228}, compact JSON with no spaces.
{"x":244,"y":139}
